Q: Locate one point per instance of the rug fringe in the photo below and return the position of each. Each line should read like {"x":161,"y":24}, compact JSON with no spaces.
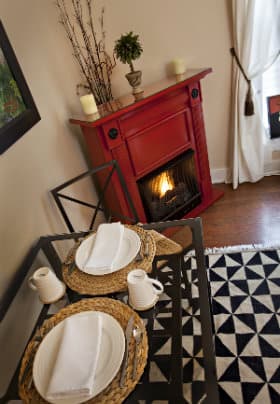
{"x":242,"y":248}
{"x":239,"y":248}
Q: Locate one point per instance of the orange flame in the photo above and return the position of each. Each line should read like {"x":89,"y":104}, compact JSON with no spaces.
{"x":165,"y":184}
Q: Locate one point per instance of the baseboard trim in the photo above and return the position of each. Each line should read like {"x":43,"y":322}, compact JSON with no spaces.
{"x":221,"y":175}
{"x":272,"y":168}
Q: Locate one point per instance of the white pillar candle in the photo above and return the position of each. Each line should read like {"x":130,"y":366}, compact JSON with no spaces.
{"x":179,"y":66}
{"x":88,"y":104}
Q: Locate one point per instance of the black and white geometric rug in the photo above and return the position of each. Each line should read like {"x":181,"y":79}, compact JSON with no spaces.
{"x":245,"y":288}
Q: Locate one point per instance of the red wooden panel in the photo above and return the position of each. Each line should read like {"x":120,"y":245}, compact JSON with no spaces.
{"x":153,"y":113}
{"x":153,"y":147}
{"x":195,"y":94}
{"x":115,"y":199}
{"x":98,"y":151}
{"x":201,"y":146}
{"x":112,"y":126}
{"x":120,"y":154}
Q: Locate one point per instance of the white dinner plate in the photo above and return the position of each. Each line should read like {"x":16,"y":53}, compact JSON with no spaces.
{"x":109,"y":361}
{"x":130,"y":246}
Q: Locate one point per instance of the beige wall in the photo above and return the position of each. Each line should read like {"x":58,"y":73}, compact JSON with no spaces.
{"x":50,"y":152}
{"x":196,"y":30}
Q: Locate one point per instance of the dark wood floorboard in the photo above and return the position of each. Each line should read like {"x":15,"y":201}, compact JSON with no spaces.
{"x":250,"y":214}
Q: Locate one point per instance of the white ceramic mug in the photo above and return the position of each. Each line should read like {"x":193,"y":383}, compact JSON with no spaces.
{"x":48,"y":286}
{"x":143,"y":291}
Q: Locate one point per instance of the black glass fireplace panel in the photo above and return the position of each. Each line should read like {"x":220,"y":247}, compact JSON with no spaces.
{"x":172,"y":190}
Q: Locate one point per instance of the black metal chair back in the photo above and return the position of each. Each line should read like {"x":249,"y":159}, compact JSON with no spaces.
{"x":107,"y":202}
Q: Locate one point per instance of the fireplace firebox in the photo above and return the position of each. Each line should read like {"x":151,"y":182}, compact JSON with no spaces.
{"x":160,"y":145}
{"x":172,"y":190}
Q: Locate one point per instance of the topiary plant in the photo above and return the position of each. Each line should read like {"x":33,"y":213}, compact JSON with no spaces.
{"x":128,"y":48}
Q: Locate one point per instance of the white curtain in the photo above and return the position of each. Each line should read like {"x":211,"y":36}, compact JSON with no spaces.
{"x":255,"y":23}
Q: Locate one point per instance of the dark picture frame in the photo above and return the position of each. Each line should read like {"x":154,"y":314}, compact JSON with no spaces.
{"x":18,"y":112}
{"x":273,"y":106}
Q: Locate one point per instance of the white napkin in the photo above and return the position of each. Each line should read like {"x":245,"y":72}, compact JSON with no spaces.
{"x":106,"y":247}
{"x":75,"y":366}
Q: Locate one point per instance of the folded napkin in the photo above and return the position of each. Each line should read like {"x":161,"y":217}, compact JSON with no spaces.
{"x":106,"y":247}
{"x":75,"y":366}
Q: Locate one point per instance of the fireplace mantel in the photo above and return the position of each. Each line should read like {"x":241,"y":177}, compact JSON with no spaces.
{"x":144,"y":134}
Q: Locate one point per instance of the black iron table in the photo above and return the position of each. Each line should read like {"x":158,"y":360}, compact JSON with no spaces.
{"x":163,"y":378}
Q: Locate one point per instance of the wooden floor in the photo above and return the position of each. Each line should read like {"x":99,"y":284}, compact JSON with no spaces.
{"x":250,"y":214}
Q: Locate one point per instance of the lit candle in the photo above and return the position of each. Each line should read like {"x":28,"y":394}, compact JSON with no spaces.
{"x":179,"y":66}
{"x":88,"y":104}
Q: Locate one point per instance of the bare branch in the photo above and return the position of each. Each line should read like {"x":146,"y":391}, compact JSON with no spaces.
{"x":77,"y":19}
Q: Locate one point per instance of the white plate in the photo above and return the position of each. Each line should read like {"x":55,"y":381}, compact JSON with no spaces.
{"x":130,"y":246}
{"x":110,"y":356}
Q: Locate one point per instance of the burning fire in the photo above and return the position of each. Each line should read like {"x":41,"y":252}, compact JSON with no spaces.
{"x":165,"y":184}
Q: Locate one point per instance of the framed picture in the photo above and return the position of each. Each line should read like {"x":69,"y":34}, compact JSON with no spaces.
{"x":18,"y":112}
{"x":273,"y":104}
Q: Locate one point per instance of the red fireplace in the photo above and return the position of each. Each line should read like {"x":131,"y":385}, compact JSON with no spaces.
{"x":159,"y":142}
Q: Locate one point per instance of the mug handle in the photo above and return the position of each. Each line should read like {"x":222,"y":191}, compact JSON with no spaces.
{"x":31,"y":283}
{"x":157,"y":283}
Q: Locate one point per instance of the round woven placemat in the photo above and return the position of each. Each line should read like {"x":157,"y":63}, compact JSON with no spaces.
{"x":112,"y":394}
{"x":115,"y":282}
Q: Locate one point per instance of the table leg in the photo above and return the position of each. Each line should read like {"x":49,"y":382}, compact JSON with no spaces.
{"x":206,"y":319}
